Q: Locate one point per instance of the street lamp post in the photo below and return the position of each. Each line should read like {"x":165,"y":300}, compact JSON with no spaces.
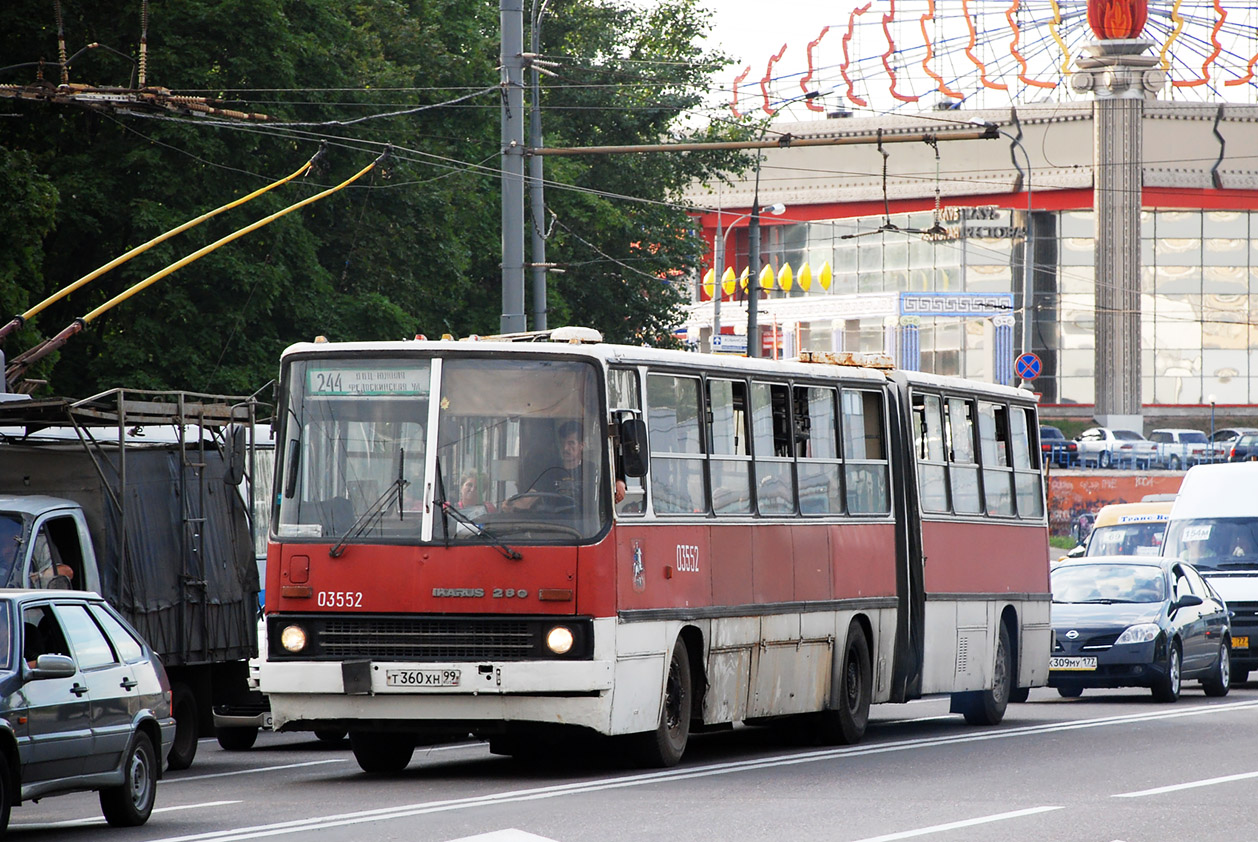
{"x":776,"y":209}
{"x":1027,"y":246}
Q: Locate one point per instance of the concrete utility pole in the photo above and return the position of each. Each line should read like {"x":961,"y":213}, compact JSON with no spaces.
{"x":511,"y":16}
{"x":536,"y":195}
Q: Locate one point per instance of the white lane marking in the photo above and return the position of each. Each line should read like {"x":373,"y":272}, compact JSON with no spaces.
{"x":511,"y":834}
{"x":1190,"y":785}
{"x":254,"y":771}
{"x":940,"y":828}
{"x":929,"y":718}
{"x":647,"y":778}
{"x":101,"y":819}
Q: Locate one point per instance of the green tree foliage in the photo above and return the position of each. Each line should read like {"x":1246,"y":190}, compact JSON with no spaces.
{"x":412,"y":247}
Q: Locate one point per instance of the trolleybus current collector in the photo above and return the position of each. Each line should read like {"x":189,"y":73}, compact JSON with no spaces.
{"x":505,"y":538}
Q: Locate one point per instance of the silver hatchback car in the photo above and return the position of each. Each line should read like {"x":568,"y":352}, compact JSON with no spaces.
{"x":84,"y":705}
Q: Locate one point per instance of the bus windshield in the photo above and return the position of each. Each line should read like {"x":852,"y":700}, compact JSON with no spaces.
{"x":517,"y":452}
{"x":520,"y":450}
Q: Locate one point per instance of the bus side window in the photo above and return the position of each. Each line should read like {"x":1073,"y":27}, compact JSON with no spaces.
{"x":932,"y":470}
{"x":820,"y":471}
{"x":864,"y":452}
{"x":730,"y":454}
{"x":677,"y":458}
{"x":623,"y":393}
{"x":772,"y":438}
{"x":963,"y":470}
{"x":994,"y":449}
{"x":1028,"y":484}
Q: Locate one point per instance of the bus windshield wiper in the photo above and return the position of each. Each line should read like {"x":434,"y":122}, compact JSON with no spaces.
{"x":453,"y":511}
{"x":375,"y":512}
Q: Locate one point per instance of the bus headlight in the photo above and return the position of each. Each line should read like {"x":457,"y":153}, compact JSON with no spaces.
{"x":293,"y":638}
{"x":559,"y":640}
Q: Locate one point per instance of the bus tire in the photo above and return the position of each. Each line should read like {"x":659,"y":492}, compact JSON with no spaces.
{"x":381,"y":753}
{"x":1019,"y":695}
{"x":330,"y":735}
{"x":845,"y":724}
{"x":183,"y":748}
{"x":987,"y":707}
{"x":237,"y":737}
{"x":664,"y":746}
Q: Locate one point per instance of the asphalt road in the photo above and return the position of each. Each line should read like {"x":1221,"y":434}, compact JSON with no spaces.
{"x":1112,"y":765}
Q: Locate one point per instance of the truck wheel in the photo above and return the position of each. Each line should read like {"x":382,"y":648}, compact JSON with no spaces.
{"x":130,"y":804}
{"x":1104,"y":459}
{"x":383,"y":753}
{"x":184,"y":747}
{"x":1175,"y":464}
{"x":237,"y":737}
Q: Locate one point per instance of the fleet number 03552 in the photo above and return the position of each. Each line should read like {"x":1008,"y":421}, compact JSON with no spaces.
{"x":339,"y":599}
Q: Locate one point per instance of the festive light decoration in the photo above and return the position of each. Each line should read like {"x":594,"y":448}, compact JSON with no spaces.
{"x":786,"y":279}
{"x":805,"y":277}
{"x":728,"y":280}
{"x":1113,"y":20}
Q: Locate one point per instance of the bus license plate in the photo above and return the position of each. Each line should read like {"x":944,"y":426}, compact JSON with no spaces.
{"x":421,"y":678}
{"x":1241,"y":642}
{"x":1071,"y":664}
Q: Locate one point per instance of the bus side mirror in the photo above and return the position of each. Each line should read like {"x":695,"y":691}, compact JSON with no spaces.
{"x":633,"y":447}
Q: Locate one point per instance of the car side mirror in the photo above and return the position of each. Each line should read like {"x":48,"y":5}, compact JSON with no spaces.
{"x":634,"y":456}
{"x":51,"y":666}
{"x":1187,"y":601}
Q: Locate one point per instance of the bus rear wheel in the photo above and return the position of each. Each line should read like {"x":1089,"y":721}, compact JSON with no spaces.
{"x":987,"y":707}
{"x":845,"y":723}
{"x":665,"y":745}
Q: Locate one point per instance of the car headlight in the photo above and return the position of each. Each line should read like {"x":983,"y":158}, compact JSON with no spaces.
{"x":559,"y":640}
{"x":1142,"y":633}
{"x":293,"y":638}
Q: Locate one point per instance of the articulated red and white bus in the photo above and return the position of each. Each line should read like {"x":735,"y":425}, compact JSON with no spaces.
{"x":505,"y":538}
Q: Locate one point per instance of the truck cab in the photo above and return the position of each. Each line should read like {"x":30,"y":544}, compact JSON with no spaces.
{"x":44,"y":543}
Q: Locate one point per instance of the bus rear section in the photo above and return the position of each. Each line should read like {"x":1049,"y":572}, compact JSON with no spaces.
{"x":739,"y":541}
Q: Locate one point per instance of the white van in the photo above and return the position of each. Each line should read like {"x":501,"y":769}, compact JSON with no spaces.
{"x":1214,"y":526}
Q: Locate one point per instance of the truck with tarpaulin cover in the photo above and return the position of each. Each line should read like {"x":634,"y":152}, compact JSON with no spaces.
{"x":146,"y":498}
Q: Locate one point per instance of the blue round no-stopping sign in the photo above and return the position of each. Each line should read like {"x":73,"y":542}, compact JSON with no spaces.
{"x":1027,"y":366}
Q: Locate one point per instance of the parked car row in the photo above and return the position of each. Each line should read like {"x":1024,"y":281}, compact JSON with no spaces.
{"x":1170,"y":448}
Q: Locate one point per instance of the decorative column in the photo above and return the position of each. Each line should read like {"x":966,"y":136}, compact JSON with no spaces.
{"x":1121,"y":79}
{"x":909,"y":357}
{"x":1002,"y":353}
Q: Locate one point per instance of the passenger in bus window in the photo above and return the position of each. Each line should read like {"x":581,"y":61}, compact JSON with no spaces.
{"x":471,"y":498}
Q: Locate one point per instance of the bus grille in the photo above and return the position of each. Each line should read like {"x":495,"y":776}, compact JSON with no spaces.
{"x":425,"y":639}
{"x":1244,"y":613}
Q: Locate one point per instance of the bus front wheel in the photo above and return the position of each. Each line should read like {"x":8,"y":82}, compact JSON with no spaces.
{"x":381,"y":753}
{"x":664,"y":746}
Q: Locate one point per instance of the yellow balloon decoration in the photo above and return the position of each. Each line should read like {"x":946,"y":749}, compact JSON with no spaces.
{"x":786,"y":279}
{"x":709,"y":283}
{"x":825,"y":275}
{"x":805,"y":277}
{"x":742,"y":279}
{"x":728,"y":280}
{"x":766,"y":277}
